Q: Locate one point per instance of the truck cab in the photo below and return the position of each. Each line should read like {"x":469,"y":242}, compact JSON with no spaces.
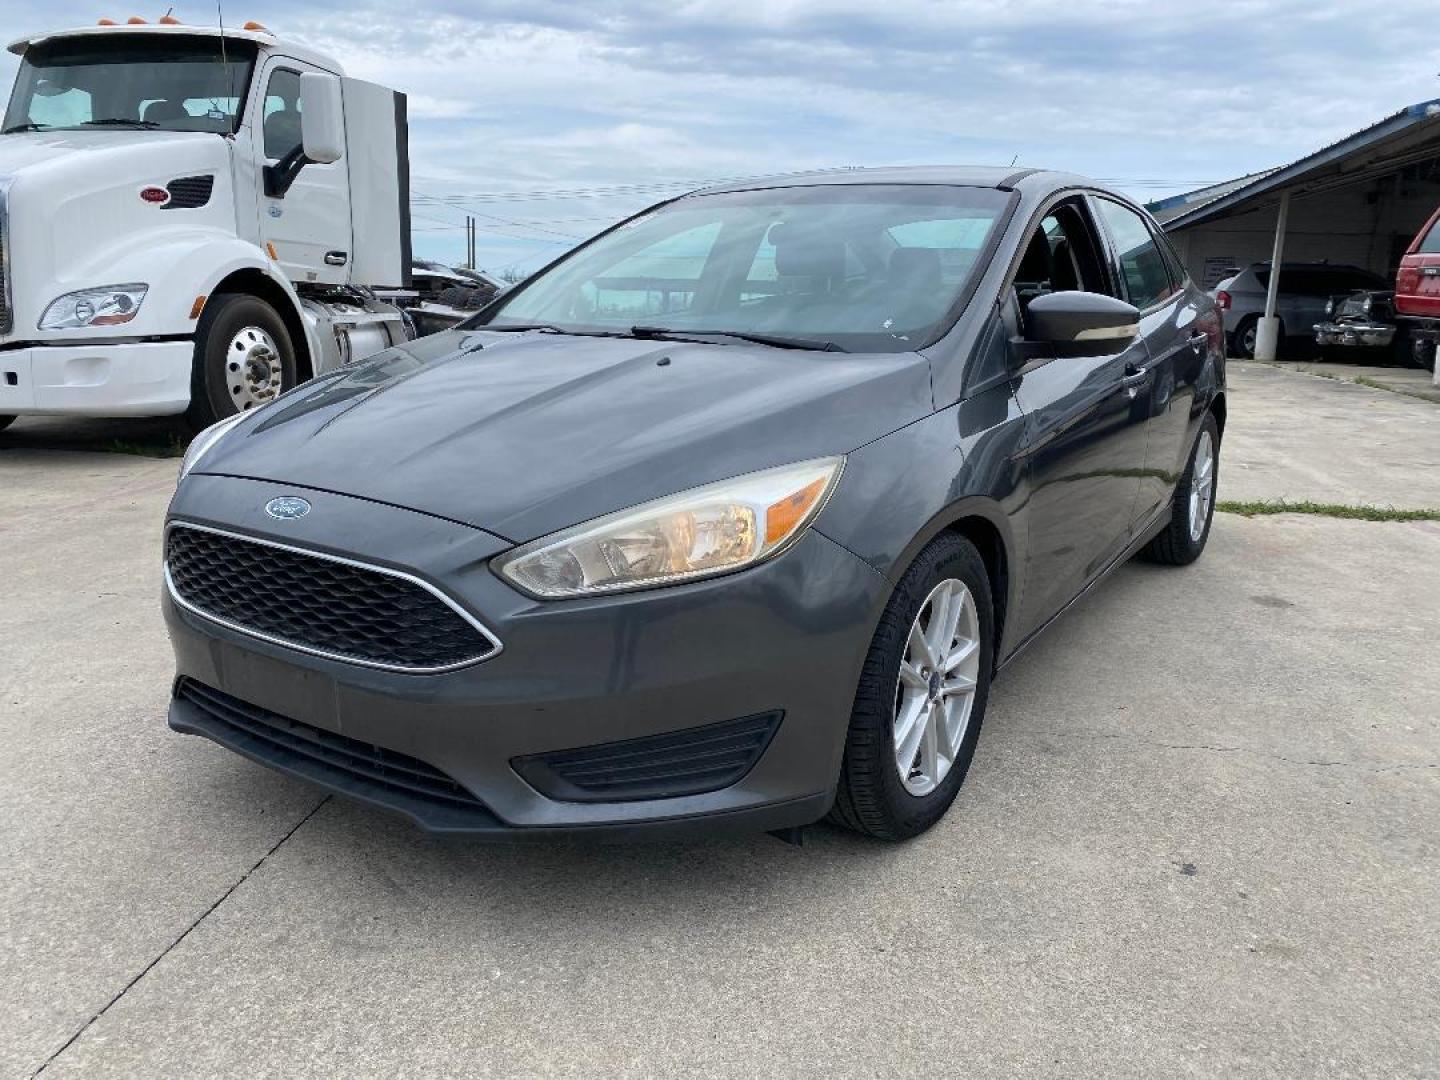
{"x":192,"y":221}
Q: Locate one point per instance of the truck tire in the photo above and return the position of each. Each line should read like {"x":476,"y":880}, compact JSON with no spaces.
{"x":244,"y":358}
{"x":1415,"y":352}
{"x":6,"y":421}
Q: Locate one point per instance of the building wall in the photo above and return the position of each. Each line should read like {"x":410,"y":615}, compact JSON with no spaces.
{"x":1368,"y":225}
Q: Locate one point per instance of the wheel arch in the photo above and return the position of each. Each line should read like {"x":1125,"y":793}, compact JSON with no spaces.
{"x":253,"y":281}
{"x":985,"y":524}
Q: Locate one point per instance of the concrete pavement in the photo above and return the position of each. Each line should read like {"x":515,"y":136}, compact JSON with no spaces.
{"x":1197,"y":840}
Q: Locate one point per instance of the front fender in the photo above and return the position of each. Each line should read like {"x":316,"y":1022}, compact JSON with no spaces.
{"x":178,"y":264}
{"x":899,"y":492}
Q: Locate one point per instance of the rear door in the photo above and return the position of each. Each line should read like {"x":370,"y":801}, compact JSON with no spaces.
{"x":1170,"y":310}
{"x":1417,"y":287}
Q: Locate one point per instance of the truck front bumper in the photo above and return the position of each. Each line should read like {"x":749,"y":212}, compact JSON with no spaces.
{"x":1368,"y":334}
{"x":150,"y":378}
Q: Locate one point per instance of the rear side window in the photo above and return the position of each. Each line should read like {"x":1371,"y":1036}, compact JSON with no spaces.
{"x":1147,"y":278}
{"x":1431,"y":244}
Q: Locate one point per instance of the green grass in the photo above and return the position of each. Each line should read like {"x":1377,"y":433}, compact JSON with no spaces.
{"x":1335,"y":510}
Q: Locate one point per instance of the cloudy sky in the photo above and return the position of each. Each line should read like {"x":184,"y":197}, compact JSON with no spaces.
{"x":550,"y":119}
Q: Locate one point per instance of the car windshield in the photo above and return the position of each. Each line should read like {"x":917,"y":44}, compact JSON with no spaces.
{"x":859,"y":267}
{"x":164,"y":82}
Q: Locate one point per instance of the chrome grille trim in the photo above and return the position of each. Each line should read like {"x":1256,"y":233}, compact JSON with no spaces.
{"x":6,"y":306}
{"x":326,"y":654}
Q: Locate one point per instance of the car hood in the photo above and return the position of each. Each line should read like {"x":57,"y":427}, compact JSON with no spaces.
{"x":521,"y":434}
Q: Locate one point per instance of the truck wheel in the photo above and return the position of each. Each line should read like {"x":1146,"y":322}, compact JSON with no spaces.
{"x":243,"y":359}
{"x":6,"y":421}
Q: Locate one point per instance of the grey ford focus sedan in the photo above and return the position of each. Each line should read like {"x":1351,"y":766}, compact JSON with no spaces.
{"x":726,"y":518}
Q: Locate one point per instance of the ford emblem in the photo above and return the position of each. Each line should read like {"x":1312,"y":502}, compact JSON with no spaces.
{"x":288,"y":507}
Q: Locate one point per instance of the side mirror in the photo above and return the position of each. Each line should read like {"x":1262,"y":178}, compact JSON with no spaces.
{"x":322,"y":118}
{"x":1079,"y":324}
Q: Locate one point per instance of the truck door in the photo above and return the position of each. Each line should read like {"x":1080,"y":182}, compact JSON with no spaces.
{"x":309,"y":228}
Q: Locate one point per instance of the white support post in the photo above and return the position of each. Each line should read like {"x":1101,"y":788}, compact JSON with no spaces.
{"x":1267,"y":333}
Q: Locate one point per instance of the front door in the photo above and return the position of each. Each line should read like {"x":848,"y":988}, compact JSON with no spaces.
{"x":1085,"y":440}
{"x":309,"y":228}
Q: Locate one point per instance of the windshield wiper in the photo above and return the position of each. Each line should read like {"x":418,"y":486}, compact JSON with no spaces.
{"x":25,"y":127}
{"x":778,"y":341}
{"x":119,"y":121}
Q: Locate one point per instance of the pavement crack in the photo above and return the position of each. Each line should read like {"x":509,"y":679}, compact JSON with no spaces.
{"x":183,"y":935}
{"x":1214,"y":749}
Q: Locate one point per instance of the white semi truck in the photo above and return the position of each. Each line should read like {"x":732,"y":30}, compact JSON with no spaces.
{"x":192,"y":221}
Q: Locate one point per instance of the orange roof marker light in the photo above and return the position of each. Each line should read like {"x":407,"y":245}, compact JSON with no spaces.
{"x":107,"y":22}
{"x":135,"y":20}
{"x":168,"y":20}
{"x":253,"y":25}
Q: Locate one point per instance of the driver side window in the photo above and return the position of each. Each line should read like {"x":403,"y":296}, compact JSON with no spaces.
{"x":1062,"y":255}
{"x":281,"y":114}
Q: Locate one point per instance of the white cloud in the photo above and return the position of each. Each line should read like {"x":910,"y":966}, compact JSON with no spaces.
{"x":519,"y":95}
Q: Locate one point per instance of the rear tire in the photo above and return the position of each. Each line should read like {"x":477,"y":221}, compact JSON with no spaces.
{"x":6,"y":421}
{"x":1242,"y":341}
{"x":1192,"y":507}
{"x":875,"y":796}
{"x":244,"y":358}
{"x":1417,"y":352}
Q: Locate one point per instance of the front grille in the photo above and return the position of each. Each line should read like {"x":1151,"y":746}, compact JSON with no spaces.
{"x":319,"y":604}
{"x":347,"y":765}
{"x":189,"y":192}
{"x":689,"y":762}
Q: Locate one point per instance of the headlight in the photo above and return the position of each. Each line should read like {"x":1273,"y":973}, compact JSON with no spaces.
{"x":206,"y":440}
{"x":107,"y":306}
{"x":1365,"y":304}
{"x":705,"y":531}
{"x":1330,"y":307}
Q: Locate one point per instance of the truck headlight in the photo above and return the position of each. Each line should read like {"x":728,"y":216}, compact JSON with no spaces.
{"x":109,"y":305}
{"x":702,"y":532}
{"x":1366,"y":304}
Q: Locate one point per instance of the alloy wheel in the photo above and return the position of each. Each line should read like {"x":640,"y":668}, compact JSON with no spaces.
{"x":254,"y":369}
{"x":935,"y":692}
{"x":1202,"y":485}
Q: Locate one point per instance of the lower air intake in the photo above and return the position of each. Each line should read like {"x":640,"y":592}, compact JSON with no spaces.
{"x":689,"y":762}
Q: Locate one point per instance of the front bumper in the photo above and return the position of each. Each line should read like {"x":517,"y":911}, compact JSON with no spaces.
{"x":150,"y":378}
{"x":788,"y":636}
{"x":1366,"y":334}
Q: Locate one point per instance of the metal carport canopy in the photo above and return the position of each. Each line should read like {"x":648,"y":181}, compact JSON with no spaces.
{"x":1410,"y":137}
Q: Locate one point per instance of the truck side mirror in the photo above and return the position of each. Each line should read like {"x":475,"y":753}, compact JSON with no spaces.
{"x":322,"y":133}
{"x":322,"y":118}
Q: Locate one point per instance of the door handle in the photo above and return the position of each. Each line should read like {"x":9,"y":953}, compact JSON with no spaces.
{"x":336,"y":258}
{"x":1134,"y":376}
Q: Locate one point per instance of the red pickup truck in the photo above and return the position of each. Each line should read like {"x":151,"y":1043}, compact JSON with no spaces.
{"x":1408,"y":317}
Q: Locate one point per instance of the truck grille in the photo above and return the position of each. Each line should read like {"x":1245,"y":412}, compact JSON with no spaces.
{"x":4,"y":255}
{"x":320,"y":604}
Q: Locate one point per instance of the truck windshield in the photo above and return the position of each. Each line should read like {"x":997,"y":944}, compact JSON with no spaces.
{"x":856,"y":267}
{"x":170,"y":83}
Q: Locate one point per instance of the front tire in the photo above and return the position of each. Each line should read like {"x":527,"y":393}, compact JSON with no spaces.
{"x":244,"y":358}
{"x":922,"y":696}
{"x":1193,"y":505}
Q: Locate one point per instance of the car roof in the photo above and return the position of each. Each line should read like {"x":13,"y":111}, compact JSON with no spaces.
{"x":1004,"y":179}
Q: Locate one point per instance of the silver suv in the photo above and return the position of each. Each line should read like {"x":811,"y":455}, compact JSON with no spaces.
{"x":1304,"y":290}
